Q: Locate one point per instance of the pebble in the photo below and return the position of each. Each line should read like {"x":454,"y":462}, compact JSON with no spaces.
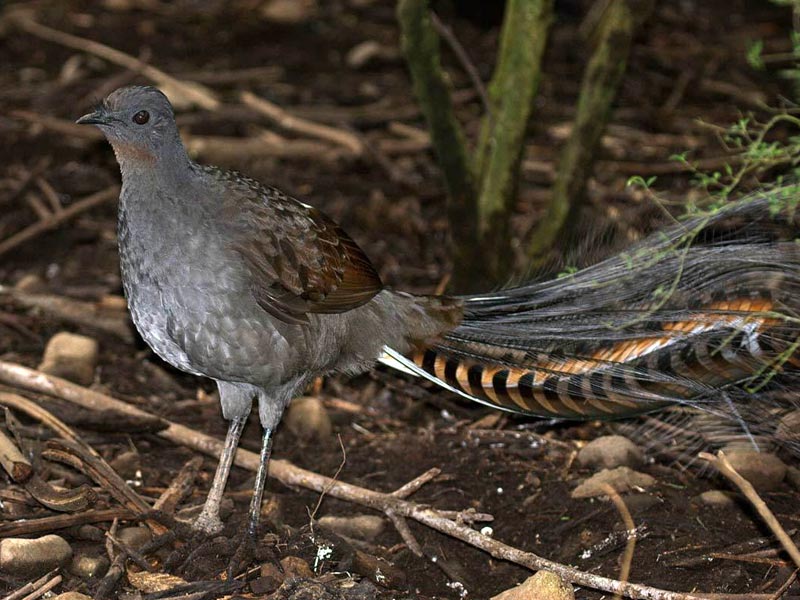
{"x":72,"y":596}
{"x":127,"y":463}
{"x":793,"y":477}
{"x":308,"y":419}
{"x":788,"y":429}
{"x":87,"y":567}
{"x":542,"y":586}
{"x":270,"y":579}
{"x":294,"y":566}
{"x":289,"y":12}
{"x":362,"y":527}
{"x":33,"y":557}
{"x":134,"y":537}
{"x":765,"y":471}
{"x":717,"y":498}
{"x":90,"y":533}
{"x":609,"y":452}
{"x":622,"y":479}
{"x":370,"y":51}
{"x":31,"y":284}
{"x":71,"y":356}
{"x":378,"y":570}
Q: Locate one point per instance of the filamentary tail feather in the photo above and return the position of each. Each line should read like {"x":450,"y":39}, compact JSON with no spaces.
{"x":703,"y":315}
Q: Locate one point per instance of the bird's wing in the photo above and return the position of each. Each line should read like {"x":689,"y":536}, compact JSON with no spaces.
{"x":300,"y":261}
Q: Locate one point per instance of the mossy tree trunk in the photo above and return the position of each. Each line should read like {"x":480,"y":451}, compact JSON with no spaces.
{"x":599,"y":86}
{"x":482,"y":186}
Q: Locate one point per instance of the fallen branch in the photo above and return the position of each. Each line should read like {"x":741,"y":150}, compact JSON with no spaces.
{"x":56,"y":220}
{"x":55,"y":522}
{"x":86,"y":314}
{"x":180,"y":92}
{"x":291,"y":475}
{"x":723,"y":465}
{"x":295,"y":124}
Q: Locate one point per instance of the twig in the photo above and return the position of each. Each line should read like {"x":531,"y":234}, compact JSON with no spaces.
{"x":461,"y":54}
{"x":29,"y":587}
{"x":43,"y":589}
{"x":180,"y":486}
{"x":48,"y":524}
{"x":723,"y":465}
{"x":58,"y":219}
{"x":73,"y":451}
{"x":303,"y":126}
{"x":630,"y":526}
{"x":85,"y":314}
{"x":180,"y":92}
{"x":13,"y":462}
{"x":291,"y":475}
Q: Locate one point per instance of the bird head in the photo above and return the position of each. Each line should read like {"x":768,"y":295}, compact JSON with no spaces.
{"x":139,"y":123}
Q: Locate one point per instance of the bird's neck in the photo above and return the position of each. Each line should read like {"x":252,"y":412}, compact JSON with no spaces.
{"x":140,"y":167}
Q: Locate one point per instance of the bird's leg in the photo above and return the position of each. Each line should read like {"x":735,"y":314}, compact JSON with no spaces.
{"x":208,"y":520}
{"x":261,"y":479}
{"x":247,"y":545}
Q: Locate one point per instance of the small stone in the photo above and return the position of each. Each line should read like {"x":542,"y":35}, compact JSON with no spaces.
{"x":87,"y":567}
{"x":294,"y":566}
{"x":71,"y":356}
{"x":90,"y":533}
{"x":270,"y":579}
{"x":765,"y":471}
{"x":72,"y":596}
{"x":793,"y":477}
{"x":621,"y":479}
{"x":378,"y":570}
{"x":369,"y":52}
{"x":289,"y":12}
{"x":134,"y":537}
{"x":31,"y":284}
{"x":127,"y":463}
{"x":362,"y":527}
{"x":717,"y":498}
{"x":542,"y":586}
{"x":33,"y":557}
{"x":308,"y":419}
{"x":788,"y":429}
{"x":609,"y":452}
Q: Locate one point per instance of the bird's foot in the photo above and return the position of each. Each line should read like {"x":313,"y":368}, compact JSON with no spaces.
{"x":244,"y":554}
{"x":208,"y":524}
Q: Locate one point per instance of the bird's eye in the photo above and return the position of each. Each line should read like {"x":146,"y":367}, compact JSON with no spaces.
{"x":141,"y":117}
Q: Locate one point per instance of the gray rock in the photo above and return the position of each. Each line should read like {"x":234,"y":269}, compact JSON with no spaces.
{"x":72,"y":596}
{"x":134,"y":537}
{"x":621,"y":479}
{"x":542,"y":586}
{"x":717,"y":498}
{"x":87,"y":567}
{"x":363,"y":527}
{"x":308,"y":419}
{"x":793,"y":477}
{"x":609,"y":452}
{"x":90,"y":533}
{"x":765,"y":471}
{"x":33,"y":557}
{"x":70,"y":356}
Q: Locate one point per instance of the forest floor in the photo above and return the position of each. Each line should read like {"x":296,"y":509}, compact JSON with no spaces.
{"x":688,"y":77}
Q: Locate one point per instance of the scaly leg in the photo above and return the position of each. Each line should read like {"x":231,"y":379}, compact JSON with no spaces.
{"x":261,"y":479}
{"x":208,"y":520}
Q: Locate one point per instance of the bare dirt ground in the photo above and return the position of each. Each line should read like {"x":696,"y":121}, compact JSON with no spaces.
{"x":688,"y":68}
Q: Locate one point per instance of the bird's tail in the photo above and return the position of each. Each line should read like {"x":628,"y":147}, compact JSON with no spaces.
{"x":705,"y":314}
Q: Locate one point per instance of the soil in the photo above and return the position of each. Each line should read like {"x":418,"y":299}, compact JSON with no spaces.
{"x":688,"y":68}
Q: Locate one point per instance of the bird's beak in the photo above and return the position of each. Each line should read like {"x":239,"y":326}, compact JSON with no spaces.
{"x":97,"y":117}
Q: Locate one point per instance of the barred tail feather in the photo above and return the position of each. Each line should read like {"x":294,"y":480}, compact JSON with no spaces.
{"x":703,"y":315}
